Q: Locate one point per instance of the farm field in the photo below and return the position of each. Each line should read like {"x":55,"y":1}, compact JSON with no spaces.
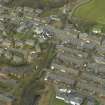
{"x":94,"y":11}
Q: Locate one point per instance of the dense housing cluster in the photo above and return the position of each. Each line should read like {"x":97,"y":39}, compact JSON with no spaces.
{"x":74,"y":66}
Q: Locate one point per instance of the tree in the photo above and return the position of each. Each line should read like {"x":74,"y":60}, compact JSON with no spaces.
{"x":31,"y":87}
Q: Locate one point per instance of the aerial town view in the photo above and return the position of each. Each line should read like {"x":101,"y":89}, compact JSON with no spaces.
{"x":52,"y":52}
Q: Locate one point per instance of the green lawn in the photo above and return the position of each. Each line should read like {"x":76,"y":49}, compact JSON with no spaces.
{"x":94,"y":11}
{"x":59,"y":102}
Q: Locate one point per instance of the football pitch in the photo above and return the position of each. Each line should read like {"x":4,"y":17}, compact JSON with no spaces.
{"x":93,"y":10}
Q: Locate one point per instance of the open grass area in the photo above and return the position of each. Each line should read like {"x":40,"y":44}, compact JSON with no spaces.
{"x":94,"y":11}
{"x":59,"y":102}
{"x":51,"y":12}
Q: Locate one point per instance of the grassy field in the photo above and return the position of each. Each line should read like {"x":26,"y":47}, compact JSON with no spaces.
{"x":59,"y":102}
{"x":94,"y":11}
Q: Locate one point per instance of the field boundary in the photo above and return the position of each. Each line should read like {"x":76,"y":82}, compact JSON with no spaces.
{"x":77,"y":6}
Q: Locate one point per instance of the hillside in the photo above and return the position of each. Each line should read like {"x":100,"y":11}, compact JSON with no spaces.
{"x":44,"y":4}
{"x":92,"y":11}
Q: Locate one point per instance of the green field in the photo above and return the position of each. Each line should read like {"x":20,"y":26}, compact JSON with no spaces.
{"x":94,"y":11}
{"x":59,"y":102}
